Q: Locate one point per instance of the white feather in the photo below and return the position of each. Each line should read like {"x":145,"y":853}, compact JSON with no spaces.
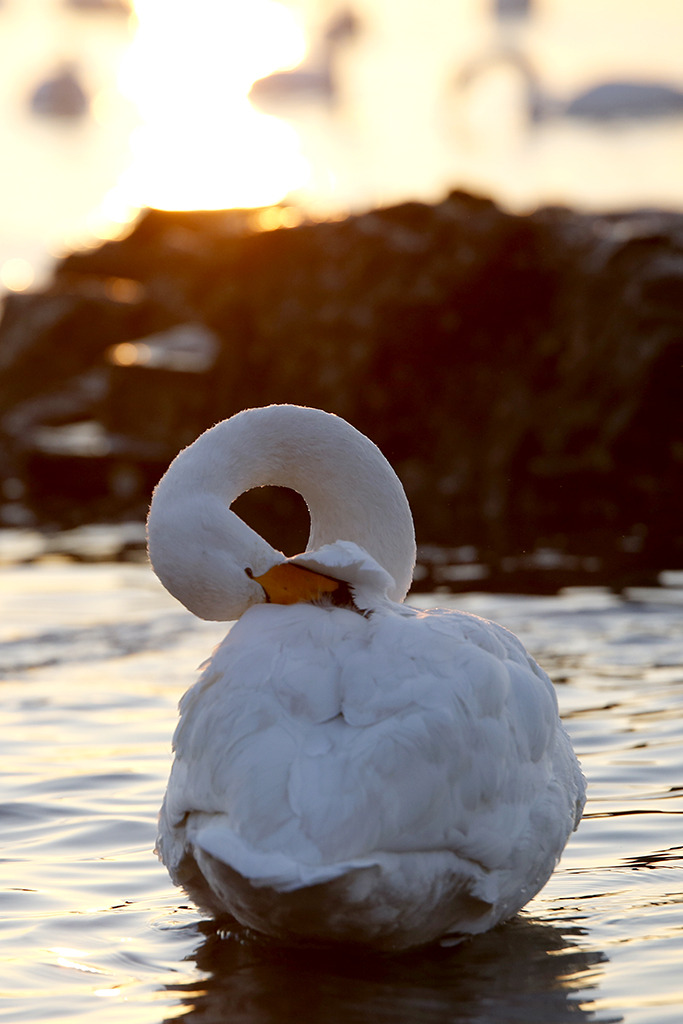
{"x":378,"y":775}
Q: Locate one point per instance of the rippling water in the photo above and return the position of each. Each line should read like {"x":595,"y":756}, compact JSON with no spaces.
{"x":93,"y":660}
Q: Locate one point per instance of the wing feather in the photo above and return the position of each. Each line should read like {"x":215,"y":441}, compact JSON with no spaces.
{"x":420,"y":732}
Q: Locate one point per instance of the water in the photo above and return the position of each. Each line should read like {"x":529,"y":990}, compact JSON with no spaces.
{"x":93,"y":660}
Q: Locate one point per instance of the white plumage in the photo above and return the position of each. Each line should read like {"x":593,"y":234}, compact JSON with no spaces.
{"x":366,"y":773}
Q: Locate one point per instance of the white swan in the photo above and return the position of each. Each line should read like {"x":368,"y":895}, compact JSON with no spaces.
{"x":619,"y":100}
{"x":346,"y":768}
{"x":313,"y":80}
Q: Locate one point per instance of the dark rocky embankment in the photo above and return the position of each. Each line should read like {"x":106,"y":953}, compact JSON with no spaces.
{"x":522,"y":373}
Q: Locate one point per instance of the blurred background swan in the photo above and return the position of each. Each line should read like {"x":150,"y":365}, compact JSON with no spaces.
{"x":317,"y":78}
{"x":62,"y":94}
{"x":618,"y":100}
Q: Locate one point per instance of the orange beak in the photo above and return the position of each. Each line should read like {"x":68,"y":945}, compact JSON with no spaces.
{"x":287,"y":583}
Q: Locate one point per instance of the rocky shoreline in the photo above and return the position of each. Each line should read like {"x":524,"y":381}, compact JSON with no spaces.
{"x":522,"y":373}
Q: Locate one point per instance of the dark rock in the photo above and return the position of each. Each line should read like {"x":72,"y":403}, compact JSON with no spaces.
{"x":522,"y":373}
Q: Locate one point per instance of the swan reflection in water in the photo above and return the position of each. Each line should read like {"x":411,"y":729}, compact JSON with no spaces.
{"x":523,"y":971}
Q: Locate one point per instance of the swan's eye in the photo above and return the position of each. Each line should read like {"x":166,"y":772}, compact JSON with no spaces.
{"x":250,"y":572}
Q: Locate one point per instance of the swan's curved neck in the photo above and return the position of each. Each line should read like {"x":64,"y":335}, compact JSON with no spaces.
{"x":351,"y":491}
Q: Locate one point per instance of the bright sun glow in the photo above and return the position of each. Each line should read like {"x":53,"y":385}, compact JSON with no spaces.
{"x":200,"y":143}
{"x":16,"y":274}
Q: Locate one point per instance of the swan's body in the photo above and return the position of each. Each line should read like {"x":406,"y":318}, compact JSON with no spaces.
{"x":363,"y":772}
{"x":628,"y":100}
{"x":313,"y":81}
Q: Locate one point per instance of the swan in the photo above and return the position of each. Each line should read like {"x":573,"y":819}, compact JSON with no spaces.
{"x":61,"y":95}
{"x":315,"y":80}
{"x":610,"y":101}
{"x":347,"y":768}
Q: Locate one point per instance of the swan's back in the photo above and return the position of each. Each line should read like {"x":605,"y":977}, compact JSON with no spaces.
{"x":408,"y":770}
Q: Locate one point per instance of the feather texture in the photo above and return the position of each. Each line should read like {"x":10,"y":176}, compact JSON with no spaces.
{"x":373,"y":774}
{"x":425,"y":746}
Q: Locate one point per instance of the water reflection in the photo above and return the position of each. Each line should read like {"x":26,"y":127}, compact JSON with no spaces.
{"x":523,"y":971}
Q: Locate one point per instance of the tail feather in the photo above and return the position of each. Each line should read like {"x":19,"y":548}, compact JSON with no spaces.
{"x":274,"y":870}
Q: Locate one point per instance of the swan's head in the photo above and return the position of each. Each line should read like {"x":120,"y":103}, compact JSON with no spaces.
{"x":233,"y":568}
{"x":208,"y":561}
{"x":215,"y":564}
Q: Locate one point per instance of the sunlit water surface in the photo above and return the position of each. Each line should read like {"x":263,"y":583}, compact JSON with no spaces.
{"x":94,"y":659}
